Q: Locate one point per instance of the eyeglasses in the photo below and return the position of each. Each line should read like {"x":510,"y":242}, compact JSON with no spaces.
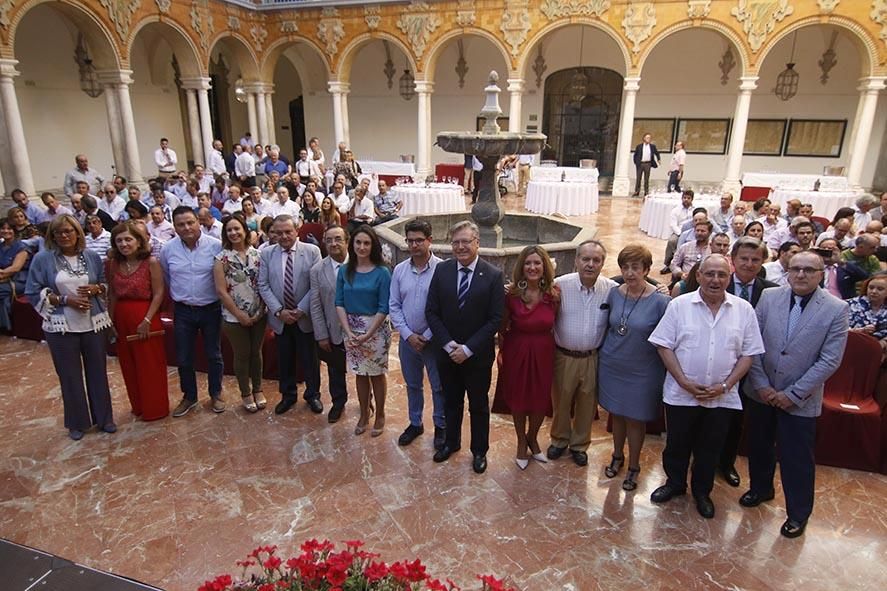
{"x":412,"y":241}
{"x":804,"y":270}
{"x":462,"y":243}
{"x":64,"y":232}
{"x":333,"y":240}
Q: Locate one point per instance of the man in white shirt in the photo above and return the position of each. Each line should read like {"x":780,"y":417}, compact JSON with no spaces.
{"x":578,"y":333}
{"x":688,"y":232}
{"x":159,"y":227}
{"x":165,"y":158}
{"x":707,"y":339}
{"x":189,"y":199}
{"x":204,"y":181}
{"x":209,"y":225}
{"x":82,"y":172}
{"x":679,"y":214}
{"x":245,"y":168}
{"x":283,"y":205}
{"x":676,"y":168}
{"x":777,"y":271}
{"x":303,"y":166}
{"x":880,"y":211}
{"x":339,"y":154}
{"x":737,"y":228}
{"x":262,"y":204}
{"x":233,"y":203}
{"x":722,"y":216}
{"x":361,"y":211}
{"x":692,"y":252}
{"x":340,"y":197}
{"x":77,"y":209}
{"x":112,"y":203}
{"x":840,"y":232}
{"x":216,"y":161}
{"x":158,"y":196}
{"x":865,"y":203}
{"x":773,"y":222}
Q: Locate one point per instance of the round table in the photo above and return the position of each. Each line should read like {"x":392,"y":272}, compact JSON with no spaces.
{"x":434,"y":198}
{"x":825,"y":203}
{"x":657,"y":209}
{"x":565,"y":198}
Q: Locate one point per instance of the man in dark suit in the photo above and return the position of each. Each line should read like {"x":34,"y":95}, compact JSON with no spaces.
{"x":748,"y":255}
{"x":646,"y":156}
{"x":804,"y":331}
{"x":466,"y":300}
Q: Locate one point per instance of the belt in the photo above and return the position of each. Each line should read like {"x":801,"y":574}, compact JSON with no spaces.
{"x":194,"y":306}
{"x":576,"y":354}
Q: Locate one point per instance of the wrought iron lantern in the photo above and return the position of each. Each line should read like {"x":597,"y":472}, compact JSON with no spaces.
{"x":787,"y":81}
{"x":579,"y":82}
{"x":89,"y":80}
{"x":407,"y":85}
{"x":240,"y":93}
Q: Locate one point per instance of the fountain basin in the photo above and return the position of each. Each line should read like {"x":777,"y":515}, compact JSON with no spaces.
{"x":490,"y":145}
{"x":559,"y":237}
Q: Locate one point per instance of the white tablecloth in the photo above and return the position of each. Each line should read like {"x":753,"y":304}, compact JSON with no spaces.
{"x":569,"y":173}
{"x":657,"y":207}
{"x":388,"y":168}
{"x":435,"y":198}
{"x":825,"y":203}
{"x":804,"y":182}
{"x":564,"y":198}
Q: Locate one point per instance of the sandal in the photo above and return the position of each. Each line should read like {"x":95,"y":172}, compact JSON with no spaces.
{"x":631,"y":479}
{"x":260,"y":400}
{"x":248,"y":403}
{"x":614,"y":467}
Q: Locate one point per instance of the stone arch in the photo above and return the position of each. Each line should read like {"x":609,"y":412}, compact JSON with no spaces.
{"x":865,"y":44}
{"x":437,"y":48}
{"x":275,"y":51}
{"x":99,"y":38}
{"x":530,"y":46}
{"x":726,"y":32}
{"x":244,"y":57}
{"x":182,"y":44}
{"x":343,"y":69}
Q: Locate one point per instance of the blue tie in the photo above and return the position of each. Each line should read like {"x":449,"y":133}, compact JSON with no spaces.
{"x":463,"y":286}
{"x":743,"y":292}
{"x":793,"y":317}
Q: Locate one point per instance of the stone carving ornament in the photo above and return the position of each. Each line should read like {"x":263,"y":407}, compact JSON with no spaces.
{"x":330,"y":30}
{"x":5,"y":7}
{"x":555,"y":9}
{"x":697,"y":9}
{"x":372,"y":17}
{"x":827,"y":6}
{"x":515,"y":24}
{"x":418,"y":22}
{"x":465,"y":13}
{"x":201,"y":22}
{"x":759,"y":18}
{"x":289,"y":27}
{"x":879,"y":15}
{"x":163,"y":5}
{"x":120,"y":13}
{"x":233,"y":22}
{"x":259,"y":34}
{"x":640,"y":18}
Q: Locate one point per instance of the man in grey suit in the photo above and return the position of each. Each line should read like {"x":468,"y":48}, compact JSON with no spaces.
{"x":327,"y":330}
{"x":284,"y":284}
{"x":804,"y":329}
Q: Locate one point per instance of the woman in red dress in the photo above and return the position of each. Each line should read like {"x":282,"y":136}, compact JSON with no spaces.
{"x":135,"y":293}
{"x":527,"y":348}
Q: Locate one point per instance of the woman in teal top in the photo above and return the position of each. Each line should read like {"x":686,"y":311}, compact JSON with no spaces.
{"x":362,"y":305}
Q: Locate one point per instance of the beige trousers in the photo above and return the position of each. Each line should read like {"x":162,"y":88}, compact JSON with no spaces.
{"x":574,"y":399}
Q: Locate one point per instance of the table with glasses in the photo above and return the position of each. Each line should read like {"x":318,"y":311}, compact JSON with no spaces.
{"x":565,"y":198}
{"x":759,"y":184}
{"x":432,"y":198}
{"x":655,"y":214}
{"x":383,"y":168}
{"x":825,"y":203}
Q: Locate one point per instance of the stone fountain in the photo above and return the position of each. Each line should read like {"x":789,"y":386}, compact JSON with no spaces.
{"x":502,"y":236}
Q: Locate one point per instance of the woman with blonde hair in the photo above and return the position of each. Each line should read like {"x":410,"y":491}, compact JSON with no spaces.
{"x":526,"y":343}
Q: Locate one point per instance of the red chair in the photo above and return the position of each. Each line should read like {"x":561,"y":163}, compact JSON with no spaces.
{"x":315,"y":231}
{"x":824,"y":222}
{"x":26,"y":322}
{"x":849,"y":433}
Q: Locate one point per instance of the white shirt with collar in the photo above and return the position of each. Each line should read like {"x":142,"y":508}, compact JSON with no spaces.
{"x":342,"y":202}
{"x":287,"y":207}
{"x":216,"y":162}
{"x":163,"y":231}
{"x":245,"y":165}
{"x":581,"y":322}
{"x":646,"y":153}
{"x":776,"y":273}
{"x":165,"y":160}
{"x":215,"y":231}
{"x":231,"y":206}
{"x":363,"y":208}
{"x":679,"y":214}
{"x":114,"y":208}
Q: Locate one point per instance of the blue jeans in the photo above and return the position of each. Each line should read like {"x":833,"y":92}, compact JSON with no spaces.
{"x":208,"y":321}
{"x":411,"y":365}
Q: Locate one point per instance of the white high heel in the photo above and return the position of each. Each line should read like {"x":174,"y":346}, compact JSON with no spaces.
{"x":522,"y":463}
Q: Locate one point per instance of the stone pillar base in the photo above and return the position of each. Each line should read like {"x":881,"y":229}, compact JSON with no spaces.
{"x":621,"y":186}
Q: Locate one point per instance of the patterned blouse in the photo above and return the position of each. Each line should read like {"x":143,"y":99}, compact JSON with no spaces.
{"x":861,"y":314}
{"x":242,"y":278}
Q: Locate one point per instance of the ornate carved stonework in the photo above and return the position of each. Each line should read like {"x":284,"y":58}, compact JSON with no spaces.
{"x":201,"y":22}
{"x":827,"y":6}
{"x":163,"y":5}
{"x":539,"y":66}
{"x":515,"y":24}
{"x":5,"y":7}
{"x":555,"y":9}
{"x":828,"y":60}
{"x":258,"y":33}
{"x":727,"y":63}
{"x":234,"y":22}
{"x":372,"y":17}
{"x":418,"y":22}
{"x":330,"y":30}
{"x":759,"y":17}
{"x":640,"y":18}
{"x":698,"y":8}
{"x":120,"y":13}
{"x":289,"y":27}
{"x":466,"y":14}
{"x":879,"y":15}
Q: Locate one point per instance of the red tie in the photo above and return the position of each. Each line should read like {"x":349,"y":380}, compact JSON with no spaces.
{"x":289,"y":300}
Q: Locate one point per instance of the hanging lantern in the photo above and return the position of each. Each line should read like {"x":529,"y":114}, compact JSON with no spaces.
{"x":787,"y":81}
{"x":407,"y":85}
{"x":89,"y":80}
{"x":578,"y":87}
{"x":240,"y":93}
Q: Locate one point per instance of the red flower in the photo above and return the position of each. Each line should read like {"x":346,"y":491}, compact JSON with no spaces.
{"x":266,"y":587}
{"x":220,"y":583}
{"x":491,"y":583}
{"x":376,"y":571}
{"x":453,"y":586}
{"x":336,"y":577}
{"x":272,"y":563}
{"x":435,"y":585}
{"x":353,"y":544}
{"x":416,"y":571}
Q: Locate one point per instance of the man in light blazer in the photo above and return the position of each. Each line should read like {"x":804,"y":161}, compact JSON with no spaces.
{"x":284,"y":285}
{"x":327,"y":330}
{"x":466,"y":300}
{"x":804,"y":331}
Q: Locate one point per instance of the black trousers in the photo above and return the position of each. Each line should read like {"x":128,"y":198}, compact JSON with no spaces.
{"x":335,"y":371}
{"x":643,"y":169}
{"x":734,"y":434}
{"x":471,"y":377}
{"x":476,"y":174}
{"x":695,"y":430}
{"x":292,"y":342}
{"x":775,"y":434}
{"x":673,"y":182}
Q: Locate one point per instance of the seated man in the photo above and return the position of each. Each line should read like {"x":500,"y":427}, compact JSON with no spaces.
{"x":204,"y":202}
{"x":737,"y":227}
{"x":840,"y":276}
{"x":840,"y":231}
{"x":807,"y":212}
{"x":863,"y":254}
{"x":387,"y":204}
{"x":679,"y":214}
{"x":340,"y":197}
{"x":209,"y":225}
{"x":692,"y":252}
{"x":777,"y":271}
{"x":722,"y":217}
{"x":361,"y":210}
{"x":688,"y":230}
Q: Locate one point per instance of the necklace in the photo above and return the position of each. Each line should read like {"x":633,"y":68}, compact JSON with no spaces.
{"x":622,"y":329}
{"x":74,"y":272}
{"x":130,"y":267}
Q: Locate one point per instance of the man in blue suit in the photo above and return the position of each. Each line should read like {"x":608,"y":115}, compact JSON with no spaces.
{"x":645,"y":157}
{"x":804,"y":331}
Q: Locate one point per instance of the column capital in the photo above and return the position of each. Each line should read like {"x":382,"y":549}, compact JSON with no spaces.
{"x":425,"y":86}
{"x":199,"y":83}
{"x":632,"y":83}
{"x":871,"y":84}
{"x":114,"y":76}
{"x":748,"y":83}
{"x":8,"y":68}
{"x":258,"y":87}
{"x":338,"y":87}
{"x":516,"y":85}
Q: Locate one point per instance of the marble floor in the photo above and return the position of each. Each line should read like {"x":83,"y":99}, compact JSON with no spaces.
{"x":177,"y":501}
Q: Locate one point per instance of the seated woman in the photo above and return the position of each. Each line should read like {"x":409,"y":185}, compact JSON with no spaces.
{"x":755,"y":230}
{"x":329,"y":215}
{"x":13,"y":272}
{"x":310,"y":212}
{"x":252,"y":219}
{"x":868,"y":312}
{"x":20,"y":225}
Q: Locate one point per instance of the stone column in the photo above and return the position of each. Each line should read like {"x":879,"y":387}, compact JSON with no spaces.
{"x":623,"y":145}
{"x":118,"y":82}
{"x":338,"y":89}
{"x":251,"y":116}
{"x":859,"y":148}
{"x":737,"y":135}
{"x":516,"y":92}
{"x":424,"y":88}
{"x":194,"y":126}
{"x":269,"y":113}
{"x":263,"y":117}
{"x":202,"y":85}
{"x":18,"y":173}
{"x":346,"y":120}
{"x":114,"y":130}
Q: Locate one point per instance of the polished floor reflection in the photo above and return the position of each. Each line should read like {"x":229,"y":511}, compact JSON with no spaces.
{"x":173,"y":502}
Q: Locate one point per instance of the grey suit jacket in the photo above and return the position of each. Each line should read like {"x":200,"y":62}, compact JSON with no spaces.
{"x":799,"y":364}
{"x":271,"y":282}
{"x":323,"y":303}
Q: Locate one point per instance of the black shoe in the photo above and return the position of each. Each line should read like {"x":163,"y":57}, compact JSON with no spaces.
{"x":479,"y":464}
{"x":665,"y":493}
{"x":315,"y":405}
{"x":554,"y":452}
{"x":335,"y":414}
{"x":634,"y":194}
{"x":580,"y":457}
{"x":444,"y":453}
{"x":440,"y":437}
{"x":753,"y":499}
{"x":792,"y":528}
{"x":283,"y":406}
{"x":705,"y":506}
{"x":731,"y":476}
{"x":410,"y":433}
{"x":665,"y":270}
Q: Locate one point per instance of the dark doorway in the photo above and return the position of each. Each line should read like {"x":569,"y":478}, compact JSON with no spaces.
{"x":588,"y":128}
{"x":297,"y":125}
